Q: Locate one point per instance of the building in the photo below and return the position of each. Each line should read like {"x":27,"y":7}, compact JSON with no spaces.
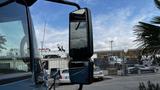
{"x":103,"y":54}
{"x":130,"y":54}
{"x":133,"y":53}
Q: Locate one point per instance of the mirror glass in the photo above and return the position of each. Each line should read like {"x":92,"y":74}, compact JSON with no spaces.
{"x":78,"y":35}
{"x":78,"y":29}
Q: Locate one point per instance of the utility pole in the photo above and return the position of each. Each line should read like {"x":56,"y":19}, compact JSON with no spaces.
{"x":43,"y":39}
{"x":41,"y":47}
{"x":111,"y":42}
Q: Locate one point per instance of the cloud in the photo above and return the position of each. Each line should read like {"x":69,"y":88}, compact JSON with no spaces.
{"x":117,"y":26}
{"x":85,"y":1}
{"x":53,"y":36}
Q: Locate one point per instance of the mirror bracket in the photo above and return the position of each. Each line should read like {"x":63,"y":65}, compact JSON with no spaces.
{"x":66,"y":2}
{"x":26,"y":2}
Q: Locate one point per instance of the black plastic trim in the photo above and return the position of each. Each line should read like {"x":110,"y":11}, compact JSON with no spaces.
{"x":14,"y":77}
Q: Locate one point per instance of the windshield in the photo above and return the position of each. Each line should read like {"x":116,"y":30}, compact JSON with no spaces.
{"x":14,"y":44}
{"x":126,"y":37}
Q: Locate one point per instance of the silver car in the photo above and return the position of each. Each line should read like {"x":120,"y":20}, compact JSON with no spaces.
{"x":98,"y":73}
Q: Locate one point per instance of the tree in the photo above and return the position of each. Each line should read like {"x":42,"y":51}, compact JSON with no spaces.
{"x":148,"y":36}
{"x":2,"y":42}
{"x":157,"y":2}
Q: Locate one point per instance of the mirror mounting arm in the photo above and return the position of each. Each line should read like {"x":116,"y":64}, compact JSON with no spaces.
{"x":6,"y":2}
{"x":66,"y":2}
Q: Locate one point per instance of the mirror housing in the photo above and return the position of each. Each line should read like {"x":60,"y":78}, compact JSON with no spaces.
{"x":80,"y":34}
{"x":77,"y":69}
{"x":26,"y":2}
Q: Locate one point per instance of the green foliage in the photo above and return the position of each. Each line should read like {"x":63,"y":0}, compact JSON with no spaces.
{"x":148,"y":36}
{"x":157,"y":2}
{"x":149,"y":86}
{"x":2,"y":42}
{"x":156,"y":20}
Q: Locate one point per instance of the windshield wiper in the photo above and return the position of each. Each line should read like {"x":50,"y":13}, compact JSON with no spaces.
{"x":6,"y":3}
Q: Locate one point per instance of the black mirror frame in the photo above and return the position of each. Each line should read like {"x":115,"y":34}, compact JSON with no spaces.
{"x":26,"y":2}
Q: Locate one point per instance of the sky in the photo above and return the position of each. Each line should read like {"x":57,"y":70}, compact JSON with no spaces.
{"x":111,"y":20}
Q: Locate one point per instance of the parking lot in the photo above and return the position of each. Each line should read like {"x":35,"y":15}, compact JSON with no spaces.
{"x":129,"y":82}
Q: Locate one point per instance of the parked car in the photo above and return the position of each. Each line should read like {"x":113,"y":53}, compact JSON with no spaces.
{"x":131,"y":69}
{"x":115,"y":60}
{"x":64,"y":76}
{"x":142,"y":69}
{"x":98,"y":73}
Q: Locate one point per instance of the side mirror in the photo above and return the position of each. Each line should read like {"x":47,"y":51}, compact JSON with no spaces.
{"x":80,"y":34}
{"x":26,"y":2}
{"x":80,"y":47}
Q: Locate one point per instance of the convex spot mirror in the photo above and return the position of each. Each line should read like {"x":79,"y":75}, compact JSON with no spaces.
{"x":80,"y":34}
{"x":26,"y":2}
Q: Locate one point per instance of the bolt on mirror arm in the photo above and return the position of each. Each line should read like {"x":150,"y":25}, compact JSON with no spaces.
{"x":65,"y":2}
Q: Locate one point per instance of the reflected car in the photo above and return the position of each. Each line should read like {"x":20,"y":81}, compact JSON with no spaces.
{"x":131,"y":69}
{"x":152,"y":69}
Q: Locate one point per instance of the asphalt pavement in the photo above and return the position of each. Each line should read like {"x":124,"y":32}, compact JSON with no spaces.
{"x":130,"y":82}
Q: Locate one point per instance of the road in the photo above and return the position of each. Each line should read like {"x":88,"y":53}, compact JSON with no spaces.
{"x":130,"y":82}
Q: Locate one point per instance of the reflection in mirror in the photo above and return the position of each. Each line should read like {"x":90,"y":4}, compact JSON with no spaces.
{"x":78,"y":35}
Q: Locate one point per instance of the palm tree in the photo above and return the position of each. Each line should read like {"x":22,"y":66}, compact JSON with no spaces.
{"x":2,"y":42}
{"x":156,"y":20}
{"x":148,"y":36}
{"x":157,"y":2}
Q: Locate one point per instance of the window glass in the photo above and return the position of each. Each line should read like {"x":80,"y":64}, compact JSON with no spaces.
{"x":14,"y":48}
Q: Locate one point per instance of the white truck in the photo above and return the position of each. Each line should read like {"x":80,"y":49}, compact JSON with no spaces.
{"x":54,"y":59}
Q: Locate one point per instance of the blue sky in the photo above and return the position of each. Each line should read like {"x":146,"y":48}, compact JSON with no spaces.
{"x":112,"y":20}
